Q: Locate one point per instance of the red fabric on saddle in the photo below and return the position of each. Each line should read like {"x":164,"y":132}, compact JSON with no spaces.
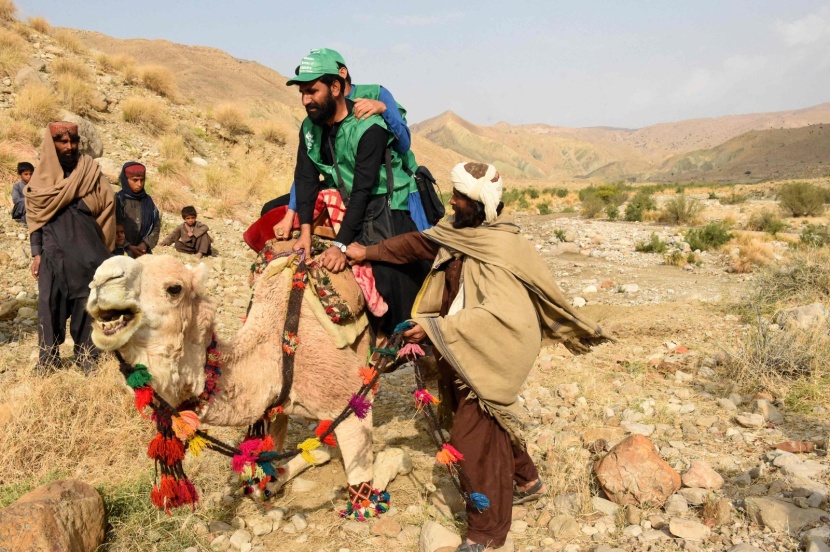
{"x":263,"y":229}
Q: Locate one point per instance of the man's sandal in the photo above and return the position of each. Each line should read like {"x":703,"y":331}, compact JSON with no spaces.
{"x":528,"y":495}
{"x":470,"y":547}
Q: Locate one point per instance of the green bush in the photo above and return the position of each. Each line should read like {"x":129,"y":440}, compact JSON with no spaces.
{"x":675,"y":258}
{"x":544,"y":208}
{"x":560,"y":234}
{"x":802,"y":199}
{"x":815,"y":235}
{"x":561,"y":192}
{"x":639,"y":204}
{"x":510,"y":197}
{"x":654,"y":245}
{"x":733,"y":199}
{"x":766,"y":221}
{"x":710,"y":236}
{"x":609,"y":194}
{"x":592,"y":206}
{"x":612,"y":212}
{"x":681,"y":210}
{"x":533,"y":193}
{"x":713,"y":195}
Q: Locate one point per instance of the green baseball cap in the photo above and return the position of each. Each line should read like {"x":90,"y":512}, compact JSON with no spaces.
{"x":318,"y":62}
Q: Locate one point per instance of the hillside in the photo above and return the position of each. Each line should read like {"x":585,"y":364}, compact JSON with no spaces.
{"x":543,"y":152}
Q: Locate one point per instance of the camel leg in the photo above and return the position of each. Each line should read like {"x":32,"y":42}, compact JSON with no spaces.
{"x":297,"y":465}
{"x":279,"y":430}
{"x":355,"y":439}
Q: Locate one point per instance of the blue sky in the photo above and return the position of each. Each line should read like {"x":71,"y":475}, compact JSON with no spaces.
{"x":590,"y":63}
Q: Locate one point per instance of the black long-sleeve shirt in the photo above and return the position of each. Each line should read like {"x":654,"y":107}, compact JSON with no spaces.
{"x":368,"y":160}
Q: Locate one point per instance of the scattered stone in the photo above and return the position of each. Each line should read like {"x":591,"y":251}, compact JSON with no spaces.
{"x":301,"y":485}
{"x":91,"y":143}
{"x":694,"y":496}
{"x":62,"y":515}
{"x":689,"y":530}
{"x":26,"y":77}
{"x":744,"y":547}
{"x":604,"y":506}
{"x":804,"y":317}
{"x":750,"y":420}
{"x":701,"y":475}
{"x":795,"y":446}
{"x":262,"y":526}
{"x":240,"y":537}
{"x":435,"y":536}
{"x":198,"y":161}
{"x":633,"y":473}
{"x":780,"y":515}
{"x":769,"y":412}
{"x":386,"y":527}
{"x":220,"y":543}
{"x":579,"y":302}
{"x":220,"y":527}
{"x":390,"y":463}
{"x":676,"y":504}
{"x":299,"y":521}
{"x":564,"y":527}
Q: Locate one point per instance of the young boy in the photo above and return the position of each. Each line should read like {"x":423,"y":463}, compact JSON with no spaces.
{"x":120,"y":242}
{"x":25,"y":171}
{"x":136,"y":212}
{"x":191,"y":237}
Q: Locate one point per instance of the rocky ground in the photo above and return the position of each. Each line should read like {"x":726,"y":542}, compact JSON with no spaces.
{"x":663,"y":379}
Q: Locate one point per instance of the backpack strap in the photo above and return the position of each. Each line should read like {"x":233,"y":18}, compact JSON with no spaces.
{"x":341,"y":185}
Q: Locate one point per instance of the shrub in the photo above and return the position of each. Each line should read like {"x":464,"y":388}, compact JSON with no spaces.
{"x":40,"y":25}
{"x":168,"y":194}
{"x":639,"y":204}
{"x":561,"y":192}
{"x":752,"y":253}
{"x":121,"y":62}
{"x":711,"y":236}
{"x":12,"y":53}
{"x":802,"y":199}
{"x":172,"y":148}
{"x":612,"y":212}
{"x":653,"y":245}
{"x":145,"y":112}
{"x":592,"y":206}
{"x":733,"y":199}
{"x":675,"y":257}
{"x":766,"y":221}
{"x":273,"y":133}
{"x":509,"y":197}
{"x":37,"y":104}
{"x":681,"y":210}
{"x":69,"y":41}
{"x":76,"y":95}
{"x":815,"y":235}
{"x":158,"y":79}
{"x":523,"y":203}
{"x":713,"y":195}
{"x":104,"y":62}
{"x":69,"y":66}
{"x":232,"y":118}
{"x":544,"y":208}
{"x":7,"y":10}
{"x":533,"y":193}
{"x":801,"y":279}
{"x":22,"y":132}
{"x":609,"y":194}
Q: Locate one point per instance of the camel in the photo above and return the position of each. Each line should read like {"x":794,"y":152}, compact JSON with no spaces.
{"x":154,"y":311}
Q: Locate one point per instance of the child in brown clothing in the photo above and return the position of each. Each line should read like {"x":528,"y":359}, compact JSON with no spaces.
{"x":191,"y":237}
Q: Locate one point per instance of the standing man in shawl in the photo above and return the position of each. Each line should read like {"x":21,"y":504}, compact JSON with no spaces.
{"x":136,"y":212}
{"x":70,"y":210}
{"x":487,"y":306}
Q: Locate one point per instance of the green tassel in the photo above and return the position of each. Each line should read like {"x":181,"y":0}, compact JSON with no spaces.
{"x":140,"y":377}
{"x":391,"y":352}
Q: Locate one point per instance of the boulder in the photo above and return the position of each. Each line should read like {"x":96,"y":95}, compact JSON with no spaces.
{"x":27,"y":76}
{"x":110,"y":168}
{"x":435,"y":536}
{"x":701,"y":475}
{"x":58,"y":516}
{"x":564,"y":527}
{"x":779,"y":515}
{"x":632,"y":473}
{"x":804,"y":317}
{"x":390,"y":463}
{"x":688,"y":529}
{"x":91,"y":143}
{"x":8,"y":309}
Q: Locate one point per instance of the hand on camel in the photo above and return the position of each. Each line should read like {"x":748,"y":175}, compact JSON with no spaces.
{"x":364,"y":108}
{"x":415,"y":334}
{"x":333,"y":259}
{"x":282,"y":230}
{"x":356,"y":253}
{"x":304,"y":243}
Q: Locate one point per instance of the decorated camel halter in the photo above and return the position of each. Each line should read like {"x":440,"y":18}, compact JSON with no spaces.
{"x":179,"y":428}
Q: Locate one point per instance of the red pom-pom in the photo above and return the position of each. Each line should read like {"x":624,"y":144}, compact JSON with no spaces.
{"x":330,"y":439}
{"x":143,"y":397}
{"x":169,"y":451}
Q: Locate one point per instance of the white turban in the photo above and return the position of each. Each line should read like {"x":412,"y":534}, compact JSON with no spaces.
{"x":486,"y":189}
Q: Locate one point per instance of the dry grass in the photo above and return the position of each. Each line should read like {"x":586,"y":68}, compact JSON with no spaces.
{"x":172,"y":148}
{"x":12,"y":53}
{"x":800,"y":279}
{"x":77,"y":95}
{"x":232,"y":118}
{"x":8,"y":163}
{"x":70,"y":66}
{"x":36,"y":104}
{"x":147,"y":113}
{"x":158,"y":79}
{"x":69,"y":41}
{"x":752,"y":254}
{"x":8,"y":10}
{"x":272,"y":132}
{"x":216,"y":181}
{"x":104,"y":62}
{"x":168,"y":194}
{"x":40,"y":25}
{"x":22,"y":132}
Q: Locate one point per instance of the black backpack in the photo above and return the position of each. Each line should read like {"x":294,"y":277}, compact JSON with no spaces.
{"x":430,"y":195}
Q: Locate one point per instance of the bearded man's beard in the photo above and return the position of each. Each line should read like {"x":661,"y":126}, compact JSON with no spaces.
{"x":468,"y":217}
{"x":69,"y":161}
{"x":320,"y":114}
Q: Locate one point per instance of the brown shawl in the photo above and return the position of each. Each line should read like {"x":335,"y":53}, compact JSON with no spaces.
{"x":511,"y":306}
{"x":48,"y":191}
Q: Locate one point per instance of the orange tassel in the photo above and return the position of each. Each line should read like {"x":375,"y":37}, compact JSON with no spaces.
{"x":368,"y":374}
{"x":330,"y":440}
{"x":185,"y":424}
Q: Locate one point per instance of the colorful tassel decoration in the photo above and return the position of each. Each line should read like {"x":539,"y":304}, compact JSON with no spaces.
{"x":480,"y":501}
{"x":448,"y":455}
{"x":143,"y":397}
{"x":367,"y":373}
{"x":424,"y":397}
{"x":306,"y":447}
{"x":140,"y":377}
{"x":360,"y":405}
{"x":403,"y":326}
{"x":196,"y":444}
{"x":411,"y":350}
{"x":185,"y":424}
{"x":329,"y":440}
{"x":168,"y":450}
{"x":290,"y":342}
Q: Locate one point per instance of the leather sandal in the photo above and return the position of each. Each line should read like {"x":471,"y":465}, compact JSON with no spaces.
{"x":528,"y":495}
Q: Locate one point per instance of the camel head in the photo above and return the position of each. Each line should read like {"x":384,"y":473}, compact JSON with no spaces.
{"x":153,"y":311}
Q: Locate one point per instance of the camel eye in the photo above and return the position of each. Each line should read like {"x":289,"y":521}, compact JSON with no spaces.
{"x":174,"y":290}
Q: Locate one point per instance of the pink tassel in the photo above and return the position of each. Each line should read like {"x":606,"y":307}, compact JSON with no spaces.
{"x":424,"y":397}
{"x":360,"y":405}
{"x":412,"y":350}
{"x":452,"y":450}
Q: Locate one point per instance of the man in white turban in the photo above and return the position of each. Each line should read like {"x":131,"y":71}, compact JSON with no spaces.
{"x":487,"y":306}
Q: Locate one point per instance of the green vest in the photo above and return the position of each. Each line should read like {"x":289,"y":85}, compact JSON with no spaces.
{"x":372,"y":92}
{"x":345,"y":150}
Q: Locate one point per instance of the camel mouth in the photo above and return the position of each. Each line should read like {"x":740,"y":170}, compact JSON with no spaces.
{"x":112,"y":321}
{"x":112,"y":326}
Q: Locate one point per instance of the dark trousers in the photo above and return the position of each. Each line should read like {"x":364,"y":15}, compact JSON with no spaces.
{"x":52,"y":314}
{"x":492,"y":464}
